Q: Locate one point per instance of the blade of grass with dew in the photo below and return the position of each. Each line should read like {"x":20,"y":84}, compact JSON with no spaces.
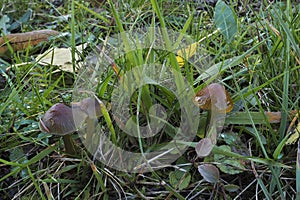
{"x":13,"y":94}
{"x":131,"y":57}
{"x":183,"y":30}
{"x":101,"y":17}
{"x":165,"y":35}
{"x":221,"y":66}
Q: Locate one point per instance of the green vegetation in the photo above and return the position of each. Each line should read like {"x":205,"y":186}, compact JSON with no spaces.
{"x":252,"y":48}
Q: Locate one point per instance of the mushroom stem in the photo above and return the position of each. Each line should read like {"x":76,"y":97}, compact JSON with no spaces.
{"x":208,"y":121}
{"x":69,"y":144}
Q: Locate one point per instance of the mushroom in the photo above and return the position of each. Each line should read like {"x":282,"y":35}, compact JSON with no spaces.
{"x":63,"y":120}
{"x":58,"y":120}
{"x":214,"y":98}
{"x":91,"y":109}
{"x":89,"y":106}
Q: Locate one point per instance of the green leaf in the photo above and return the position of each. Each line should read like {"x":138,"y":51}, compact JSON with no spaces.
{"x":225,"y":20}
{"x":184,"y":183}
{"x":180,"y":179}
{"x":228,"y":165}
{"x":17,"y":155}
{"x":22,"y":20}
{"x":39,"y":156}
{"x":231,"y":188}
{"x":4,"y":24}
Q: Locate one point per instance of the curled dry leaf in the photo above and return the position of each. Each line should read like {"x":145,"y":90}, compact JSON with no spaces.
{"x":21,"y":41}
{"x":214,"y":96}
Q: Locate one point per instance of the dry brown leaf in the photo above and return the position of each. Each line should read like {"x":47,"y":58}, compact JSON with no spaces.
{"x":275,"y":117}
{"x":21,"y":41}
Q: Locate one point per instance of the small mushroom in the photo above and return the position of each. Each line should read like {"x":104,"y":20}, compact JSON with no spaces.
{"x":87,"y":112}
{"x":63,"y":120}
{"x":216,"y":100}
{"x":58,"y":120}
{"x":214,"y":97}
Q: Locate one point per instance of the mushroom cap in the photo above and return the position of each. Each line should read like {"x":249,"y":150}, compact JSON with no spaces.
{"x":90,"y":106}
{"x":214,"y":96}
{"x":58,"y":120}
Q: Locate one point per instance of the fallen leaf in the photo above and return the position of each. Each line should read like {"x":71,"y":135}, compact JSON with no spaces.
{"x":21,"y":41}
{"x":184,"y":54}
{"x":61,"y":57}
{"x":294,"y":137}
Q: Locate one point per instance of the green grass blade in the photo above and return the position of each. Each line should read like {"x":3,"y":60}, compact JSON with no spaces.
{"x":37,"y":187}
{"x":39,"y":156}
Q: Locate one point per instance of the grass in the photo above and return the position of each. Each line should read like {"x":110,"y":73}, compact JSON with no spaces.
{"x":259,"y":67}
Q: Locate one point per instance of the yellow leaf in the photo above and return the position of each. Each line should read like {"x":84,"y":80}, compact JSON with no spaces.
{"x":180,"y":61}
{"x":184,"y":54}
{"x":294,"y":137}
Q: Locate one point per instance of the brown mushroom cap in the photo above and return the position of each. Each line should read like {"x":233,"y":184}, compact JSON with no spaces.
{"x":214,"y":96}
{"x":58,"y":120}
